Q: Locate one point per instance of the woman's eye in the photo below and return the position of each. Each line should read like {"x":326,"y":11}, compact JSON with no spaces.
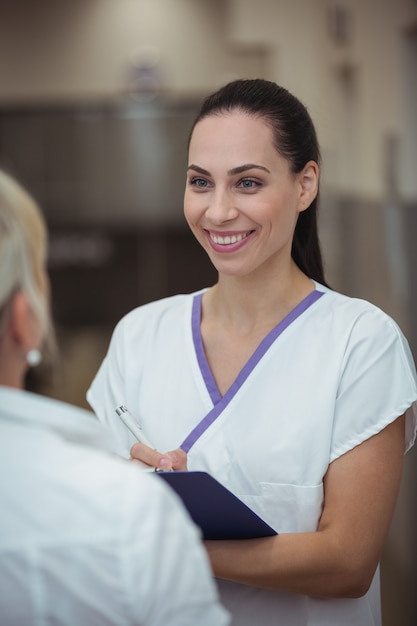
{"x":200,"y":183}
{"x":248,"y":183}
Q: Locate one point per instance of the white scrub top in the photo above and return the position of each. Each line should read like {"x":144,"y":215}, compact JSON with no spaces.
{"x":334,"y":372}
{"x":87,"y":538}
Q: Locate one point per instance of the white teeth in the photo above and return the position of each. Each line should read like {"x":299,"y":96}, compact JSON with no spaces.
{"x":223,"y":241}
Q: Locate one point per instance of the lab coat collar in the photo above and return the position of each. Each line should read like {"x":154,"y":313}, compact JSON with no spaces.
{"x":71,"y":423}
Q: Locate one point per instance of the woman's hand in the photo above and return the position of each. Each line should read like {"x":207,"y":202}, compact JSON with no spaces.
{"x":173,"y":460}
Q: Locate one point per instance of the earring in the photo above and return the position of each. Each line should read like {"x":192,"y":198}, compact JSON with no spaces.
{"x":33,"y":357}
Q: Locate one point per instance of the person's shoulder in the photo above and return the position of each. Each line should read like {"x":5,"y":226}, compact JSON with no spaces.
{"x":352,"y":310}
{"x":128,"y":496}
{"x":110,"y":481}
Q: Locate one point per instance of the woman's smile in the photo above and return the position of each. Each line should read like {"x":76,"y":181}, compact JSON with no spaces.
{"x":228,"y":241}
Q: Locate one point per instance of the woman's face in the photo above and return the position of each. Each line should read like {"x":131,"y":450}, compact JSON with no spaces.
{"x":241,"y":200}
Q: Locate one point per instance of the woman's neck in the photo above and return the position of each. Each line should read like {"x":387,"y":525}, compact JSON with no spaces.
{"x":250,"y":301}
{"x":12,"y":368}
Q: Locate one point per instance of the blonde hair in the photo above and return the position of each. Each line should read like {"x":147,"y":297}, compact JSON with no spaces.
{"x":23,"y":250}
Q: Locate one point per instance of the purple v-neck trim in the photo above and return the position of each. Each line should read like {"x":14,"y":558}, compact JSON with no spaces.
{"x":219,"y":401}
{"x":211,"y":385}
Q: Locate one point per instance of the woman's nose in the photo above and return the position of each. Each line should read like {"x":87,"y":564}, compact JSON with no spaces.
{"x":221,"y":208}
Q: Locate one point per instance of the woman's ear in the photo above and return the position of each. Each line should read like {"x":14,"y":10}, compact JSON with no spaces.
{"x":309,"y":184}
{"x":24,"y":328}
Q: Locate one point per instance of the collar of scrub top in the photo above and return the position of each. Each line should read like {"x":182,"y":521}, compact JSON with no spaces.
{"x":220,"y":402}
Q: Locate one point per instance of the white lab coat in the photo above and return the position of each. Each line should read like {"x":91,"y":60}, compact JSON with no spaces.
{"x":87,"y":538}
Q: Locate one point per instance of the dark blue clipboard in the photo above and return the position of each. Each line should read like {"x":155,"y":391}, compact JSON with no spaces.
{"x":215,"y":509}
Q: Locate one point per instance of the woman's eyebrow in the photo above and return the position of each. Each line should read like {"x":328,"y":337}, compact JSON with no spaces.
{"x":200,"y":170}
{"x":247,"y":166}
{"x":235,"y":170}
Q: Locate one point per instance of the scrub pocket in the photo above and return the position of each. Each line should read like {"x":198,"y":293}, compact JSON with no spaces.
{"x":288,"y":508}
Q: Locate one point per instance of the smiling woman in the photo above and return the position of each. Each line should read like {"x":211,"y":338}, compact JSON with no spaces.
{"x":240,"y":190}
{"x":299,"y":399}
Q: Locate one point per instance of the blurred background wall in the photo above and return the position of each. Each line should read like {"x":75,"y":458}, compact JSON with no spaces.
{"x":96,"y":100}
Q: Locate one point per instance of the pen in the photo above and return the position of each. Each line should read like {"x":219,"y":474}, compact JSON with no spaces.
{"x":136,"y":429}
{"x":131,"y":423}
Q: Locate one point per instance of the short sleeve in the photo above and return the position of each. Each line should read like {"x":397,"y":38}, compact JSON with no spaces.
{"x":107,"y":391}
{"x":378,"y":383}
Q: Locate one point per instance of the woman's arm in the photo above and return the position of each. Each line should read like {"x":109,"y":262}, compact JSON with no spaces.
{"x":340,"y":559}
